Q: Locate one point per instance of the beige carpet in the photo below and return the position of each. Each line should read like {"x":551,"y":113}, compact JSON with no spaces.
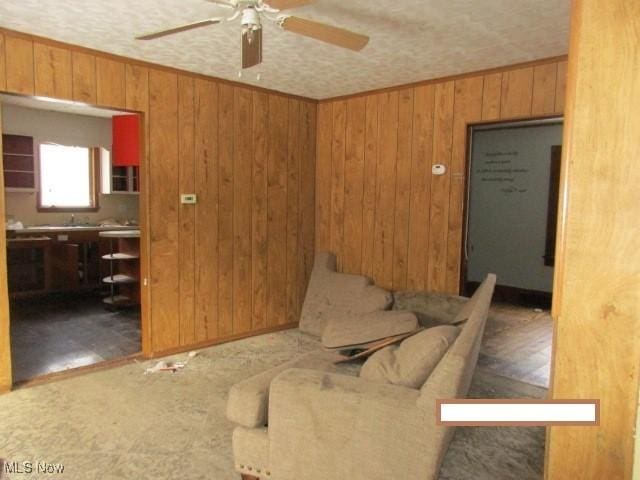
{"x":122,"y":424}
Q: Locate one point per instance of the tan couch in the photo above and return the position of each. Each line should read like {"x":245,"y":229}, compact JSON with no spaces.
{"x":309,"y":420}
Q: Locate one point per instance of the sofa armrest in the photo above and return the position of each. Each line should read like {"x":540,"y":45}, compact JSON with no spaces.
{"x":248,"y":399}
{"x":347,"y":427}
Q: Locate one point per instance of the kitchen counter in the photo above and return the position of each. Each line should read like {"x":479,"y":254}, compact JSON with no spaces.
{"x":57,"y":258}
{"x":68,"y":228}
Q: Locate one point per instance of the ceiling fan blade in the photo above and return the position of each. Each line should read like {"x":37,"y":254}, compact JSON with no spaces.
{"x":286,"y":4}
{"x":181,"y":28}
{"x":251,"y":48}
{"x":325,"y":33}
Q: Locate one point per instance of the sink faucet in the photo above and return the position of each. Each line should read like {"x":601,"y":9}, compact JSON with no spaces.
{"x":72,"y":221}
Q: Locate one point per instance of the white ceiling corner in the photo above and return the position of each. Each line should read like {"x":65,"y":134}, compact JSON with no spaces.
{"x":411,"y":40}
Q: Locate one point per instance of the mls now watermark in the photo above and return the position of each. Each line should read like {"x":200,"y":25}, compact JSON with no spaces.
{"x":29,"y":467}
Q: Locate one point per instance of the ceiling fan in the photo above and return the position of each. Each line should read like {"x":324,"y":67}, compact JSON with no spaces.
{"x":251,"y":13}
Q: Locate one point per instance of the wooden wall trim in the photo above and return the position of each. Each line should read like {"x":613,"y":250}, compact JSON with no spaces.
{"x":433,"y":81}
{"x":5,"y":343}
{"x":142,"y":63}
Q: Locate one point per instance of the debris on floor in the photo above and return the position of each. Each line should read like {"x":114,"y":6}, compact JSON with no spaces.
{"x":170,"y":366}
{"x":163,"y":366}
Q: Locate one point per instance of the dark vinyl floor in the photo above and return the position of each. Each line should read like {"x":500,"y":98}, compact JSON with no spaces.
{"x":58,"y":332}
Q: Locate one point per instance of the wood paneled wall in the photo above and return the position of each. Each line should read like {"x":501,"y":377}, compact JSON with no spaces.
{"x":377,"y":205}
{"x":236,"y":262}
{"x":597,"y":276}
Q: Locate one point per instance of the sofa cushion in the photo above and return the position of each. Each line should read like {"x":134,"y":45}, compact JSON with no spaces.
{"x":337,"y":295}
{"x":410,"y":363}
{"x":248,"y":400}
{"x":346,"y":332}
{"x":431,"y":308}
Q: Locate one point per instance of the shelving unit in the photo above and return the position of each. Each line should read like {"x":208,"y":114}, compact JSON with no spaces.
{"x":19,"y":163}
{"x":124,"y":180}
{"x":124,"y":268}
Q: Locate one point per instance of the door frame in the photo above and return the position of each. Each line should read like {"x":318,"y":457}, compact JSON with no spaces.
{"x":6,"y":381}
{"x":479,"y":126}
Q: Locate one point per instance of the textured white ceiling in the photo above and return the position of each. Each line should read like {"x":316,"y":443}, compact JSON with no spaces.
{"x":411,"y":40}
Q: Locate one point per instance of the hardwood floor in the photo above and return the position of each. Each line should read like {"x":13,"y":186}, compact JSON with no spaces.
{"x":517,"y":343}
{"x":58,"y":332}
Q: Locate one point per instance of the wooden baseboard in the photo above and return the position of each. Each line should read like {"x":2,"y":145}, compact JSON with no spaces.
{"x":221,"y":340}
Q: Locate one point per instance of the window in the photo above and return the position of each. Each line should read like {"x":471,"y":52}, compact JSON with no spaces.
{"x":67,"y":178}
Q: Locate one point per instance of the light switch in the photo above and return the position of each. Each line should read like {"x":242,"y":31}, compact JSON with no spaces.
{"x":188,"y":198}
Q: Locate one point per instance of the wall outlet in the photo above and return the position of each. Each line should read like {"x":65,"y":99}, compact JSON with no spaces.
{"x":188,"y":198}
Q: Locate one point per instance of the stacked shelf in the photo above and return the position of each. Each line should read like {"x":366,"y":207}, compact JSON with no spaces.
{"x":124,"y":268}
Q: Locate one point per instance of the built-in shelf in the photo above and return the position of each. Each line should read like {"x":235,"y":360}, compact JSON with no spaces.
{"x":19,"y":163}
{"x":124,"y":268}
{"x":120,"y":256}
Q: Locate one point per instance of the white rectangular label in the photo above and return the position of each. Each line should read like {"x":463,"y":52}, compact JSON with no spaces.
{"x":517,"y":412}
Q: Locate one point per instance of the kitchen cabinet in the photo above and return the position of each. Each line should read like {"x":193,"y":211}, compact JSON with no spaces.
{"x":126,"y":140}
{"x":19,"y":163}
{"x":28,"y":265}
{"x":65,"y":259}
{"x":117,"y":179}
{"x":124,"y":180}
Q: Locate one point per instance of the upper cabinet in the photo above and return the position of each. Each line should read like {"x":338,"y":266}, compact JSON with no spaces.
{"x":115,"y":179}
{"x":126,"y":141}
{"x":120,"y":169}
{"x":19,"y":162}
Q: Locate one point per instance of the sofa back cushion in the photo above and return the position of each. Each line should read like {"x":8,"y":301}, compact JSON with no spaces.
{"x":331,"y":295}
{"x":410,"y":363}
{"x":431,"y":308}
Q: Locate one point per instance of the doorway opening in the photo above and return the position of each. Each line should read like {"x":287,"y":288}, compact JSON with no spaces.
{"x":71,"y":187}
{"x":510,"y":230}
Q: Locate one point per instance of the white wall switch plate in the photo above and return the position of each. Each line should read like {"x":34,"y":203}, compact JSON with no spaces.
{"x":188,"y":198}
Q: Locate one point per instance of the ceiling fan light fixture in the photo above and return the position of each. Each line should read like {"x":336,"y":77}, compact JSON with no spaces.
{"x":250,"y":13}
{"x":250,"y":19}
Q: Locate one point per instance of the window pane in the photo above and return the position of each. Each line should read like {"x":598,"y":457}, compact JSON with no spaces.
{"x":64,"y":176}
